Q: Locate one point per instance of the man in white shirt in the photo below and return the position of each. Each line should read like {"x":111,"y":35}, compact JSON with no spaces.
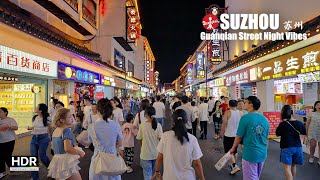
{"x":160,"y":110}
{"x":210,"y":108}
{"x":204,"y":117}
{"x":87,"y":111}
{"x":195,"y":111}
{"x":189,"y":111}
{"x":117,"y":113}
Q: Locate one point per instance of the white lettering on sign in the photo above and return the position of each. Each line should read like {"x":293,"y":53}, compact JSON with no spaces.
{"x":277,"y":67}
{"x":15,"y":60}
{"x":310,"y":59}
{"x":292,"y":63}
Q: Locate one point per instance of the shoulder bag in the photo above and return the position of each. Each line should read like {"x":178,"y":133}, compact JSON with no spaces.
{"x":293,"y":127}
{"x":106,"y":163}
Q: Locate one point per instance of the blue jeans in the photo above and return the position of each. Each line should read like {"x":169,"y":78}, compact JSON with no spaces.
{"x":39,"y":145}
{"x":148,"y":168}
{"x":160,"y":120}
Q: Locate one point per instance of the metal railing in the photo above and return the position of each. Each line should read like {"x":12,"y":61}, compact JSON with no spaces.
{"x":88,"y":16}
{"x":73,"y":4}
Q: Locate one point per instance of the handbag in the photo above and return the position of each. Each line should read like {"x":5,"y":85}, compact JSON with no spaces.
{"x":106,"y":163}
{"x":83,"y":138}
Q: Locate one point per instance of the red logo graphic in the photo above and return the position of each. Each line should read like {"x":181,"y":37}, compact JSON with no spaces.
{"x":210,"y":22}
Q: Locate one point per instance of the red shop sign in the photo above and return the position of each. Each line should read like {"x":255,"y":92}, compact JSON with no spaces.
{"x":239,"y":77}
{"x":274,"y":119}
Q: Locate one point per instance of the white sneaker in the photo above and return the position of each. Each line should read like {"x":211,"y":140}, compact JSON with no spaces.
{"x":235,"y":169}
{"x":318,"y":162}
{"x":311,"y":160}
{"x":86,"y":147}
{"x":129,"y":170}
{"x":3,"y":175}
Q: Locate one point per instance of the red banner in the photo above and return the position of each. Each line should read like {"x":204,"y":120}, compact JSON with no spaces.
{"x":99,"y":95}
{"x":274,"y":119}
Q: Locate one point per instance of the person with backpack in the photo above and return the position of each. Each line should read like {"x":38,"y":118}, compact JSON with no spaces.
{"x":290,"y":130}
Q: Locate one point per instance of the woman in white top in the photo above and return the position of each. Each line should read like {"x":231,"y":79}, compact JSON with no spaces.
{"x":117,"y":112}
{"x":140,"y":116}
{"x":7,"y":139}
{"x":179,"y":152}
{"x":40,"y":139}
{"x":149,"y":135}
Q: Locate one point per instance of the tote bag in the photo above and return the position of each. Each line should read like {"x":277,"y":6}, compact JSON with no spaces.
{"x":106,"y":163}
{"x":83,"y":137}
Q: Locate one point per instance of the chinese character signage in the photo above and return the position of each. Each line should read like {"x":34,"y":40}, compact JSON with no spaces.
{"x":274,"y":119}
{"x":200,"y":65}
{"x":189,"y":73}
{"x":15,"y":60}
{"x":239,"y":77}
{"x":105,"y":80}
{"x":133,"y":24}
{"x":69,"y":72}
{"x":302,"y":61}
{"x":211,"y":23}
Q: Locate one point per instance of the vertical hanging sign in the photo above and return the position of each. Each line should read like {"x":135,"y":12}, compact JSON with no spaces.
{"x":189,"y":73}
{"x":211,"y":24}
{"x":200,"y":71}
{"x":133,"y":24}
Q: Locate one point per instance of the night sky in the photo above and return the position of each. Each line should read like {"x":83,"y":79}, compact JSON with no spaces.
{"x":173,"y":29}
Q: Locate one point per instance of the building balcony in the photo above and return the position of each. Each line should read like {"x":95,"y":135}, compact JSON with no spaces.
{"x":70,"y":12}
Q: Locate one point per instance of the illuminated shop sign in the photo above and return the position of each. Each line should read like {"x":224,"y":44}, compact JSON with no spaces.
{"x":189,"y":73}
{"x":200,"y":65}
{"x":108,"y":81}
{"x":69,"y":72}
{"x":133,"y":24}
{"x":15,"y":60}
{"x":310,"y":77}
{"x":216,"y":83}
{"x":302,"y":61}
{"x":239,"y":77}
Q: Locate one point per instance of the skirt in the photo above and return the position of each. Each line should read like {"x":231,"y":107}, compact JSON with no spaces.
{"x":63,"y":166}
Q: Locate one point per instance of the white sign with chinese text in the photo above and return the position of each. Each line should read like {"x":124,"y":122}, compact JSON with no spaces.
{"x":15,"y":60}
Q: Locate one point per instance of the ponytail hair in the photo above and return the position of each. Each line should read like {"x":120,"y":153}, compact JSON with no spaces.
{"x":151,"y":112}
{"x":179,"y":128}
{"x":105,"y":108}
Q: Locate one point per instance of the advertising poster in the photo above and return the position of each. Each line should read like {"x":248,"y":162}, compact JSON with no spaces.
{"x":274,"y":119}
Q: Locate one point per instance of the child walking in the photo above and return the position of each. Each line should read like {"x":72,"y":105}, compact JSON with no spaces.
{"x":129,"y":131}
{"x":64,"y":164}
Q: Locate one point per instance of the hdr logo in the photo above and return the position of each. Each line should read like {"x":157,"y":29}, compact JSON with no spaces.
{"x":24,"y":163}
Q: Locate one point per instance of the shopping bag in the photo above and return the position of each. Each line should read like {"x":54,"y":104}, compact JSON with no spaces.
{"x":223,"y":161}
{"x":83,"y":138}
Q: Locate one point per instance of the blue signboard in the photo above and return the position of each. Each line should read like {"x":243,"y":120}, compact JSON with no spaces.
{"x":69,"y":72}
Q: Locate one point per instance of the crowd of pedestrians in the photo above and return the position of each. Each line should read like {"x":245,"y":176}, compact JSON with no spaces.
{"x":110,"y":128}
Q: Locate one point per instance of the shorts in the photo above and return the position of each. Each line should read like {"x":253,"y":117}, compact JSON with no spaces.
{"x":251,"y":170}
{"x":292,"y":155}
{"x":228,"y":143}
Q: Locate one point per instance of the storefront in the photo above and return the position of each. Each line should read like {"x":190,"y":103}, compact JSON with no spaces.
{"x":217,"y":88}
{"x":287,"y":91}
{"x":132,"y":89}
{"x":84,"y":81}
{"x":239,"y":85}
{"x":61,"y":91}
{"x":106,"y":89}
{"x":24,"y":84}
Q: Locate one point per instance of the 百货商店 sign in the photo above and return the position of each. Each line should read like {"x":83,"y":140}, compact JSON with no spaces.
{"x":15,"y":60}
{"x":69,"y":72}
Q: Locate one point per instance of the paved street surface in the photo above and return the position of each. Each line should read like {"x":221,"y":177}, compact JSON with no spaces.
{"x":212,"y":151}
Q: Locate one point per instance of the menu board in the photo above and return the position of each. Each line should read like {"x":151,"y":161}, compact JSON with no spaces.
{"x":274,"y":119}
